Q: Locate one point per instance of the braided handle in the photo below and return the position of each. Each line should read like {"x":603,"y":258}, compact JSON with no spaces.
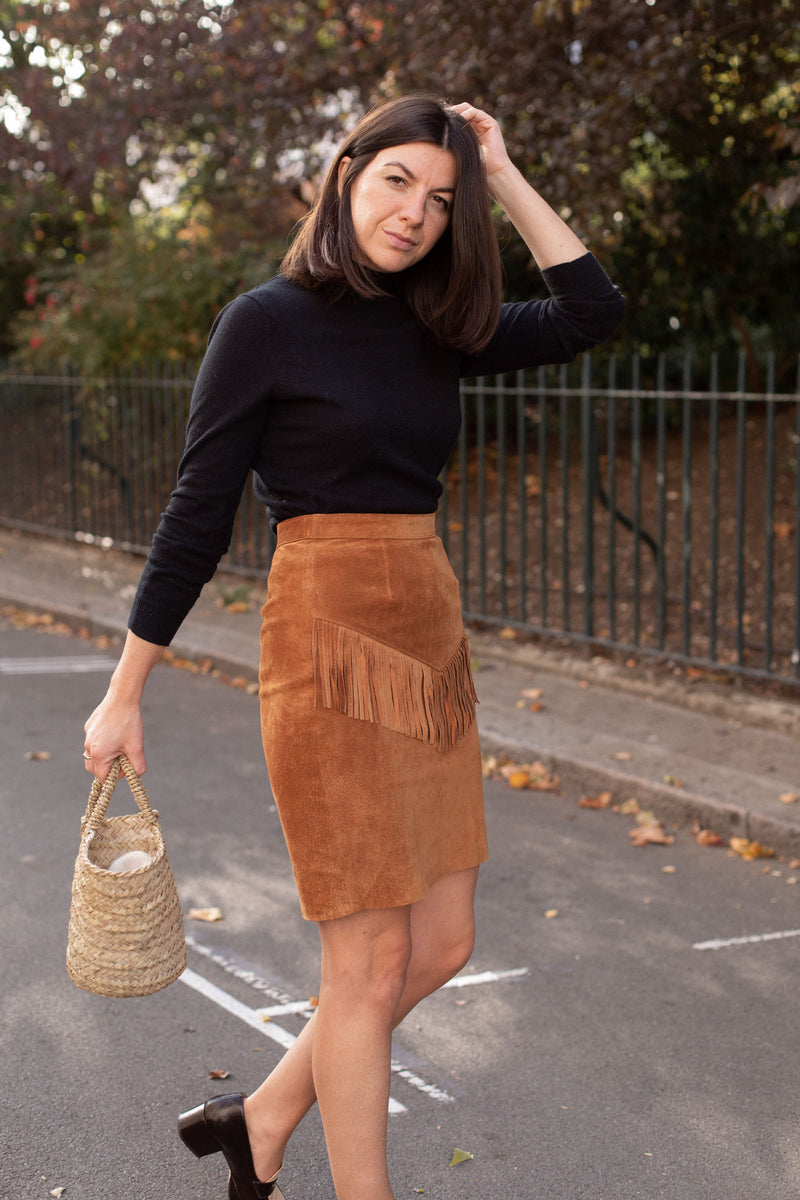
{"x":101,"y":793}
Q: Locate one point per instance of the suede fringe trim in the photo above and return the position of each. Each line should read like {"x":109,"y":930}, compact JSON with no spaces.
{"x":363,"y":678}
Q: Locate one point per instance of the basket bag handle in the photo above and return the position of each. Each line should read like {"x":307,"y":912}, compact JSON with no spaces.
{"x":101,"y":793}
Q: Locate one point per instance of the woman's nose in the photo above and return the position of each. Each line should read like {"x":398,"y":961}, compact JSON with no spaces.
{"x":414,"y":208}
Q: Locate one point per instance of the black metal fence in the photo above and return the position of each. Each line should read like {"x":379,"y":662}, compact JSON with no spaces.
{"x":648,"y":511}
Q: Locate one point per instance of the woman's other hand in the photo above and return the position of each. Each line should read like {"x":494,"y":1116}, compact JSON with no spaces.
{"x":115,"y":727}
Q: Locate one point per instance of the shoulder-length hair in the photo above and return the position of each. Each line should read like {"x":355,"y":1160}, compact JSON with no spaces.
{"x":454,"y":291}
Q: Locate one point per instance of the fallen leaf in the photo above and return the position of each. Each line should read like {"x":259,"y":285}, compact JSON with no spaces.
{"x":602,"y":800}
{"x":519,"y":779}
{"x":750,"y":850}
{"x":460,"y":1156}
{"x":551,"y":912}
{"x":532,"y":693}
{"x":629,"y":807}
{"x":646,"y":818}
{"x":37,"y":755}
{"x":508,"y":634}
{"x":313,"y":1001}
{"x":238,"y":606}
{"x":265,"y":1017}
{"x":673,"y":781}
{"x":584,"y":683}
{"x":536,"y":707}
{"x":520,"y":704}
{"x":789,"y":797}
{"x":668,"y":870}
{"x":783,"y":529}
{"x":205,"y":914}
{"x":704,"y":837}
{"x":541,"y":779}
{"x":623,"y":756}
{"x":219,"y":1073}
{"x":650,"y":835}
{"x":58,"y":1192}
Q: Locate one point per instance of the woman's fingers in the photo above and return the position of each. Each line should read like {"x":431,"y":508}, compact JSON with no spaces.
{"x":488,"y":133}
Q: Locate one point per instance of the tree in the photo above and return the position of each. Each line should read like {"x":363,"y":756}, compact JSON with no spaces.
{"x":667,"y":129}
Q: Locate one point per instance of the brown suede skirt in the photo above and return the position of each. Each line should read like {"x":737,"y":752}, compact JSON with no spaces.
{"x":368,"y":711}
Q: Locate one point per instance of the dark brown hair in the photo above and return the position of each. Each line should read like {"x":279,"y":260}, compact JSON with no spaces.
{"x":454,"y":291}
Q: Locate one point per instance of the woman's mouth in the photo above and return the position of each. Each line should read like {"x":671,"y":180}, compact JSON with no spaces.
{"x":399,"y":242}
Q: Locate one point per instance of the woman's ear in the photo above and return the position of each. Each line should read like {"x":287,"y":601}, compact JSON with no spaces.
{"x":341,"y":171}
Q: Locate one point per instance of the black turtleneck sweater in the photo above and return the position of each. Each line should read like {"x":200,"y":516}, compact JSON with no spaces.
{"x":336,"y":407}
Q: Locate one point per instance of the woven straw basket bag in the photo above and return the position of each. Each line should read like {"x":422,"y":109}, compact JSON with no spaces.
{"x":125,"y":926}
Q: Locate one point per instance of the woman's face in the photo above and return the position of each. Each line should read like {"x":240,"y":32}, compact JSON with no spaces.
{"x":401,"y":204}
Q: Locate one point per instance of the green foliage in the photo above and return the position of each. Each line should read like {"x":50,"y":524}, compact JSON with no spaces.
{"x":669,"y":133}
{"x":149,"y":289}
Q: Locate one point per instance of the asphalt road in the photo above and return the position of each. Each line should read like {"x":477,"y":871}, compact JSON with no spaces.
{"x":598,"y":1054}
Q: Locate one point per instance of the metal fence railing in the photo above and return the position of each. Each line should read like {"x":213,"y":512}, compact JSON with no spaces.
{"x":645,"y":511}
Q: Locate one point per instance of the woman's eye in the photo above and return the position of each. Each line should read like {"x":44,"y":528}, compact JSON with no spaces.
{"x":443,"y":202}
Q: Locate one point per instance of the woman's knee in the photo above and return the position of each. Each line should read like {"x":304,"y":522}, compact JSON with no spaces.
{"x":367,"y":956}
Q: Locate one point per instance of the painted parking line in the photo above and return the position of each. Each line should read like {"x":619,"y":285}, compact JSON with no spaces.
{"x":263,"y":1019}
{"x":754,"y":939}
{"x":252,"y":1017}
{"x":66,"y":665}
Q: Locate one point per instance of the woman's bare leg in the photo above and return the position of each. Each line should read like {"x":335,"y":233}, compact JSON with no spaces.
{"x":364,"y":962}
{"x":442,"y":931}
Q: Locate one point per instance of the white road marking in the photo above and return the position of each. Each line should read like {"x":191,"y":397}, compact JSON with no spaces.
{"x":429,"y":1089}
{"x":263,"y":1020}
{"x":459,"y":981}
{"x":722,"y":943}
{"x":486,"y":977}
{"x":252,"y":1017}
{"x":66,"y":665}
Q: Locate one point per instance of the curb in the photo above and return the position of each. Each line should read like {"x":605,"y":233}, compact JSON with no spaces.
{"x":675,"y":806}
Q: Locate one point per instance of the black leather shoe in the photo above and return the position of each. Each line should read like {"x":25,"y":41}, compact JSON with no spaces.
{"x":219,"y":1124}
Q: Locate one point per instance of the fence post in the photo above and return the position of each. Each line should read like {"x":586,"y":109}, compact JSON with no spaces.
{"x":589,"y":468}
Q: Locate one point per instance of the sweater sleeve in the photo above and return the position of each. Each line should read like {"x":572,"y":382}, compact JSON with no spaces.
{"x":226,"y":421}
{"x":583,"y":310}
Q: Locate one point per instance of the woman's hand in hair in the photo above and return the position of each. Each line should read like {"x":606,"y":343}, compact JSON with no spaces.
{"x":548,"y":238}
{"x":495,"y":155}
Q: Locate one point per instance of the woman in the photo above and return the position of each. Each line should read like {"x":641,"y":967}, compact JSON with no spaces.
{"x":337,"y":383}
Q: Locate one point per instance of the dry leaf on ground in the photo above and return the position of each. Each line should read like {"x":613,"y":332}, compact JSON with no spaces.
{"x":704,"y":837}
{"x":205,"y":914}
{"x":789,"y":797}
{"x":602,"y":800}
{"x":650,"y":835}
{"x":460,"y":1156}
{"x":37,"y":755}
{"x":750,"y":850}
{"x":533,"y":776}
{"x":518,"y":779}
{"x":623,"y":756}
{"x":219,"y":1073}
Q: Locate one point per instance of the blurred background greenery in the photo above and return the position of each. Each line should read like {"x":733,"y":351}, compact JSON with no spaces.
{"x":154,"y":157}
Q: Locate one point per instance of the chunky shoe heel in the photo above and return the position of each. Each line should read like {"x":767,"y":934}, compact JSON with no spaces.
{"x":219,"y":1124}
{"x":195,"y":1132}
